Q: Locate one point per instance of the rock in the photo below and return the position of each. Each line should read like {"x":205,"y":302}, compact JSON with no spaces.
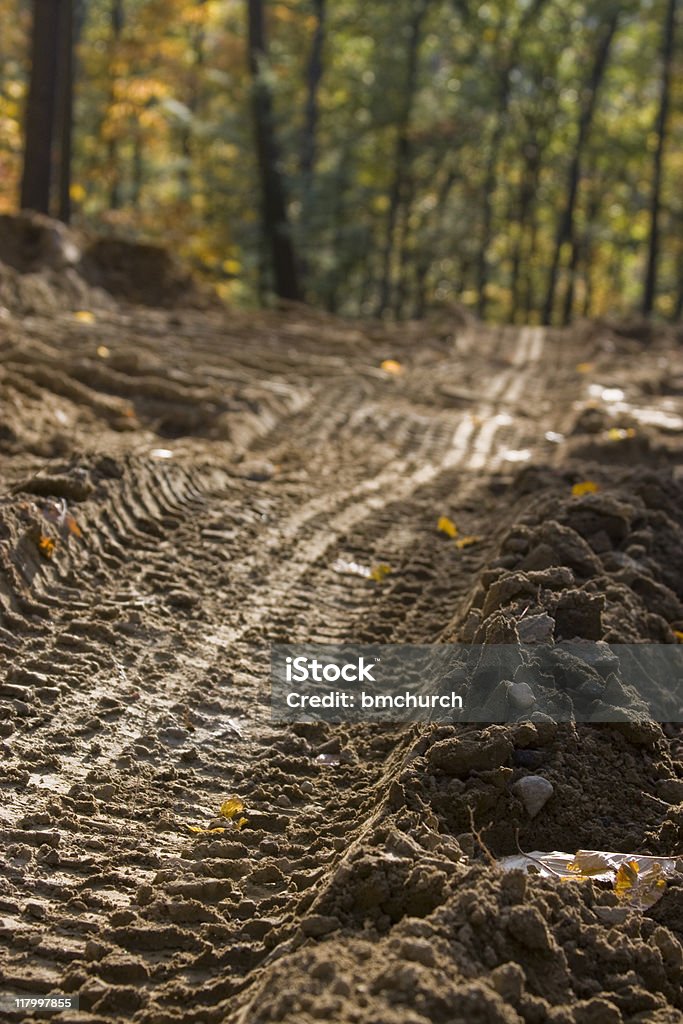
{"x":534,"y":791}
{"x":521,"y":696}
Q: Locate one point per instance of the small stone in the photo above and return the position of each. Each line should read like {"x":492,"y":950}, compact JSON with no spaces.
{"x":521,"y":696}
{"x":534,"y":791}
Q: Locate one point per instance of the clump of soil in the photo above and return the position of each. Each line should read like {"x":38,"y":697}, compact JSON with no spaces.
{"x":45,"y":266}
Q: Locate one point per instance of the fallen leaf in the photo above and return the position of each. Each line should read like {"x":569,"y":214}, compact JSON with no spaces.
{"x":585,"y":487}
{"x":378,"y":571}
{"x":84,"y":316}
{"x":678,"y":633}
{"x":447,"y":526}
{"x":103,"y":352}
{"x":467,"y":542}
{"x":231,"y":807}
{"x":46,"y":546}
{"x":585,"y":367}
{"x":620,"y":433}
{"x":73,"y":526}
{"x":392,"y":366}
{"x":639,"y":889}
{"x":204,"y":831}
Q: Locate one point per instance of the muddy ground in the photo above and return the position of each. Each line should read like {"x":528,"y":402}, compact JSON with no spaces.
{"x":183,"y":486}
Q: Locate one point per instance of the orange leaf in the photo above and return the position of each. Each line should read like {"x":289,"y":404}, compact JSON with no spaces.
{"x":46,"y":546}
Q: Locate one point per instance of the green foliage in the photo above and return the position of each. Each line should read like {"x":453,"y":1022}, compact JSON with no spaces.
{"x":164,"y":147}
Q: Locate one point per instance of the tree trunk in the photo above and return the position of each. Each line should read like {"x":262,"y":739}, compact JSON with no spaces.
{"x":68,"y":33}
{"x":565,"y":231}
{"x":503,"y":91}
{"x":402,"y":152}
{"x":40,"y":110}
{"x":116,"y":20}
{"x":276,"y":228}
{"x":315,"y":73}
{"x":650,"y":288}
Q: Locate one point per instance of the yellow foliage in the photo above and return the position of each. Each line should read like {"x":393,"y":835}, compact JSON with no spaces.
{"x":447,"y":526}
{"x":585,"y":487}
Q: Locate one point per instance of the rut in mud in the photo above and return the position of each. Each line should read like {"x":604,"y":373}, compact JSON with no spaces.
{"x":180,"y":490}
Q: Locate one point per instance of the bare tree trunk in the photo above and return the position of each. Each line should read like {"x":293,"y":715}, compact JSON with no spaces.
{"x":187,"y":148}
{"x":275,"y":222}
{"x":650,"y":288}
{"x":116,"y":19}
{"x":565,"y":230}
{"x":527,"y":194}
{"x":402,"y":151}
{"x":40,"y":110}
{"x":315,"y":74}
{"x":68,"y":33}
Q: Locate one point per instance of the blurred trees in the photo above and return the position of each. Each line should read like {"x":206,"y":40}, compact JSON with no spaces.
{"x":520,"y":156}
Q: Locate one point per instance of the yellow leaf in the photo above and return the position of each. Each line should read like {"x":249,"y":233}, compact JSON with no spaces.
{"x":379,"y":571}
{"x":103,"y":352}
{"x":626,"y":879}
{"x":204,"y":831}
{"x":84,"y":316}
{"x":585,"y":367}
{"x":585,"y":487}
{"x":466,"y":542}
{"x":447,"y":526}
{"x":678,"y":633}
{"x":232,"y":267}
{"x":77,"y":192}
{"x":391,"y":366}
{"x":620,"y":433}
{"x":232,"y":807}
{"x":46,"y":546}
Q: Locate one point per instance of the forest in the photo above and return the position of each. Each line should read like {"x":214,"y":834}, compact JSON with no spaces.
{"x":521,"y":157}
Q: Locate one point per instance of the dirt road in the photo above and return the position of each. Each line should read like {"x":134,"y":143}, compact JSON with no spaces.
{"x":182,"y":489}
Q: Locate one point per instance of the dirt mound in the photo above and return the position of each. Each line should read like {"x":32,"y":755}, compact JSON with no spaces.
{"x":143,"y":275}
{"x":45,"y":266}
